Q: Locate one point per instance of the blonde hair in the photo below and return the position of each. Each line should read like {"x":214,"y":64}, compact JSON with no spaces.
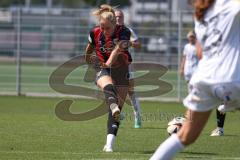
{"x":191,"y":33}
{"x":105,"y":12}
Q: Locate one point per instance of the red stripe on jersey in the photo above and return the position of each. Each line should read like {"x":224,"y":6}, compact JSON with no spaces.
{"x":97,"y":35}
{"x":105,"y":45}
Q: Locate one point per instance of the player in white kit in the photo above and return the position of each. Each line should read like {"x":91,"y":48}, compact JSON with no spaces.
{"x":189,"y":64}
{"x":217,"y":79}
{"x":135,"y":43}
{"x":190,"y":57}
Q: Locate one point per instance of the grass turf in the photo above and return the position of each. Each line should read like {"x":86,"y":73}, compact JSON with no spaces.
{"x":30,"y":130}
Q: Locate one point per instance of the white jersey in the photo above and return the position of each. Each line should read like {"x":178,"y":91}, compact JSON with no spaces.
{"x":133,"y":36}
{"x":191,"y":60}
{"x":219,"y":35}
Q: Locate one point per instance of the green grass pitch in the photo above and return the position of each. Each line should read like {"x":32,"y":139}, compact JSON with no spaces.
{"x":29,"y":129}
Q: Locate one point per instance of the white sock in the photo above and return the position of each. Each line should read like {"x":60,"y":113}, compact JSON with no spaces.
{"x":110,"y":140}
{"x":136,"y":105}
{"x":168,"y":149}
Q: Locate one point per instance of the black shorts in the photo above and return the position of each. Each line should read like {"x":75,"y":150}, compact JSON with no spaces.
{"x":120,"y":75}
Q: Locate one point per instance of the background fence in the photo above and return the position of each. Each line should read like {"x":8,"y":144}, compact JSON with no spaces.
{"x":32,"y":45}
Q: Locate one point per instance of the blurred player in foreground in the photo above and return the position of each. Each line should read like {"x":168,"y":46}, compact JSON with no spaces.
{"x":217,"y":79}
{"x":188,"y":66}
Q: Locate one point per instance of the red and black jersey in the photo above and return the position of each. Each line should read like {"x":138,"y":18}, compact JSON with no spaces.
{"x":105,"y":45}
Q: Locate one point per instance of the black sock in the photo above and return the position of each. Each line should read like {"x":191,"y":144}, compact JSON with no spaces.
{"x":111,"y":98}
{"x":220,"y":118}
{"x":113,"y":125}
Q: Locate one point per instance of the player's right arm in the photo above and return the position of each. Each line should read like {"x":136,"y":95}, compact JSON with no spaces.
{"x":90,"y":48}
{"x":183,"y":61}
{"x":199,"y":50}
{"x":181,"y":71}
{"x":88,"y":53}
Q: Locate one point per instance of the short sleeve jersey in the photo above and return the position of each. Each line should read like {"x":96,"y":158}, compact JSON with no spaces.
{"x":191,"y":61}
{"x":133,"y":36}
{"x":105,"y":45}
{"x":219,"y":36}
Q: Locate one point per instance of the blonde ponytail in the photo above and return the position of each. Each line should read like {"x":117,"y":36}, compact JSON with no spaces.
{"x":106,"y":12}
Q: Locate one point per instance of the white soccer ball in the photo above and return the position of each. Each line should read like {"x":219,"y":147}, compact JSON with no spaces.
{"x":175,"y":125}
{"x":173,"y":129}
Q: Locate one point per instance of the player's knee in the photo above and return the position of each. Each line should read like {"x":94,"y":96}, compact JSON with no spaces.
{"x":187,"y":141}
{"x":186,"y":138}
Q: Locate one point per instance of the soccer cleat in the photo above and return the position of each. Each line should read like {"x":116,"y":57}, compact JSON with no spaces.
{"x":115,"y":112}
{"x":107,"y":149}
{"x":138,"y":123}
{"x":217,"y":132}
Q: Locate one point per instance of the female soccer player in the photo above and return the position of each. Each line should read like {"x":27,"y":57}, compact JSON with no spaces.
{"x":110,"y":42}
{"x":188,"y":66}
{"x":217,"y":79}
{"x":135,"y":43}
{"x":190,"y":58}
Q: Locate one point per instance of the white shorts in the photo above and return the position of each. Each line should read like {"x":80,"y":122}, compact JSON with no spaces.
{"x":131,"y":71}
{"x":204,"y":97}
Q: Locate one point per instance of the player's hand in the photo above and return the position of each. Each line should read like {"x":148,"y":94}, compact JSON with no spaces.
{"x":123,"y":44}
{"x":103,"y":65}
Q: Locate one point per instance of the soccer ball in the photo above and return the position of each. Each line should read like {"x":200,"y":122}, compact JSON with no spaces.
{"x":175,"y":125}
{"x":173,"y":129}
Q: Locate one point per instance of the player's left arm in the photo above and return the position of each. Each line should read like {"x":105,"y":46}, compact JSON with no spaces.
{"x":134,"y":40}
{"x":113,"y":56}
{"x":136,"y":44}
{"x":121,"y":47}
{"x":198,"y":50}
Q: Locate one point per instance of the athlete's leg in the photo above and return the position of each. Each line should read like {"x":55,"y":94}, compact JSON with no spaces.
{"x":135,"y":104}
{"x":220,"y":118}
{"x":219,"y":131}
{"x":189,"y":132}
{"x":105,"y":82}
